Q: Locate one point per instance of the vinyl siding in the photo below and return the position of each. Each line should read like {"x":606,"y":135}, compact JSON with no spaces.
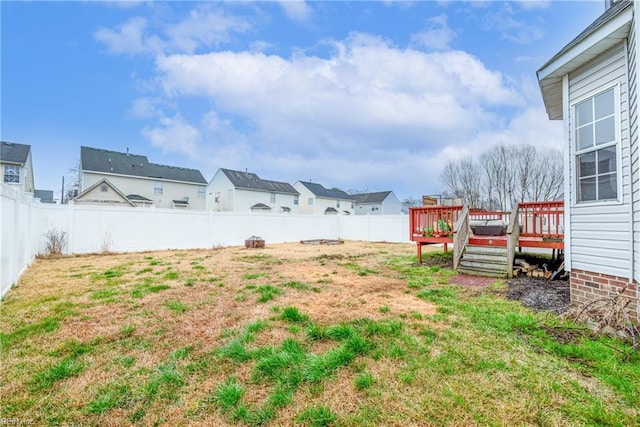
{"x":600,"y":237}
{"x":171,"y":190}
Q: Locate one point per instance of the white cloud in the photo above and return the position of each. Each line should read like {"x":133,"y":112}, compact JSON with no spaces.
{"x":297,"y":10}
{"x":518,"y":31}
{"x":174,"y":135}
{"x":128,"y":38}
{"x":205,"y":26}
{"x":534,"y":4}
{"x":437,"y":34}
{"x":364,"y":114}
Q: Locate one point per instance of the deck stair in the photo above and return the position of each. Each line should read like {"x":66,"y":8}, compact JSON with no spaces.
{"x":489,"y":261}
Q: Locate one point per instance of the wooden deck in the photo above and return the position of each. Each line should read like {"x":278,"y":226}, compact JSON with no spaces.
{"x":541,"y":225}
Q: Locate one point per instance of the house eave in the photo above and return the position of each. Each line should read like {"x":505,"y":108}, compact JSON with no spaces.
{"x":601,"y":39}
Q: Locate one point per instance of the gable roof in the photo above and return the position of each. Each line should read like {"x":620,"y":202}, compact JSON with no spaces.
{"x":10,"y":152}
{"x":251,"y":181}
{"x":113,"y":162}
{"x":320,"y":191}
{"x":377,"y":197}
{"x":105,"y":181}
{"x":606,"y":31}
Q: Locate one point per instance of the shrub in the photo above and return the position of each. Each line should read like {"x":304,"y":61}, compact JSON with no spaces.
{"x":56,"y":241}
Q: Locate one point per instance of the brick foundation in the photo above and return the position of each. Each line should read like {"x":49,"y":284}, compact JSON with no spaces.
{"x":587,"y":286}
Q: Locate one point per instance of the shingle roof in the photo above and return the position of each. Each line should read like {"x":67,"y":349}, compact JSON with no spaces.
{"x":371,"y":197}
{"x":611,"y":12}
{"x":105,"y":161}
{"x":251,"y":181}
{"x":319,"y":191}
{"x":138,"y":198}
{"x":45,"y":196}
{"x":10,"y":152}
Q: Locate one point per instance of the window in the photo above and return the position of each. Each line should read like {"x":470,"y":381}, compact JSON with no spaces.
{"x":273,"y":197}
{"x":11,"y":173}
{"x":295,"y":200}
{"x":353,"y":205}
{"x":596,"y":148}
{"x":231,"y":194}
{"x":337,"y":203}
{"x":201,"y":192}
{"x":104,"y":188}
{"x":157,"y":189}
{"x":310,"y":201}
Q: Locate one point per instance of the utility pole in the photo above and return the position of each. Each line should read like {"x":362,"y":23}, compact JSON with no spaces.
{"x":62,"y":192}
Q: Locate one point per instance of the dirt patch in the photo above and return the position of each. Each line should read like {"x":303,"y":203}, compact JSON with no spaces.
{"x":540,"y":294}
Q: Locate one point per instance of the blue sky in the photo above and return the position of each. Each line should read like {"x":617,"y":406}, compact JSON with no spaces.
{"x":356,"y":95}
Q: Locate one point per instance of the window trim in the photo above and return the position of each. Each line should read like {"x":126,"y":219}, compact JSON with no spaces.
{"x":617,"y":143}
{"x":158,"y":188}
{"x":17,"y":171}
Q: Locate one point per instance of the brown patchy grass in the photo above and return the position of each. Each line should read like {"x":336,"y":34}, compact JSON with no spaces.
{"x":141,"y":335}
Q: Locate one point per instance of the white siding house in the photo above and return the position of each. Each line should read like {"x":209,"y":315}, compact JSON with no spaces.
{"x":591,"y":84}
{"x":17,"y":166}
{"x":379,"y":203}
{"x":315,"y":199}
{"x":236,"y":191}
{"x":143,"y":183}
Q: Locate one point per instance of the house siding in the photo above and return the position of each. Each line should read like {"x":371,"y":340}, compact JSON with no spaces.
{"x":243,"y":198}
{"x":171,"y":190}
{"x":600,"y":237}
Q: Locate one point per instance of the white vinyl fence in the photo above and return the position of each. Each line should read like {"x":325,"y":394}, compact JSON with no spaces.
{"x":92,"y":229}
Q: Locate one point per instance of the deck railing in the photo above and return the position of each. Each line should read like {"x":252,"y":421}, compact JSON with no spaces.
{"x":460,"y":236}
{"x":433,"y":221}
{"x":542,"y":219}
{"x":513,"y":235}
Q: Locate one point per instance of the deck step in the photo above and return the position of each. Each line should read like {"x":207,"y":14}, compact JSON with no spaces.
{"x":489,"y":261}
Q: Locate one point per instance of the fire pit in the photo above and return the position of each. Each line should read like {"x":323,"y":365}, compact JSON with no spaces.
{"x":254,"y":242}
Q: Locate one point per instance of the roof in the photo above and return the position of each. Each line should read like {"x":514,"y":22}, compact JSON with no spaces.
{"x":319,"y":191}
{"x":609,"y":29}
{"x":45,"y":196}
{"x":10,"y":152}
{"x":138,"y":198}
{"x":251,"y":181}
{"x":372,"y":197}
{"x":105,"y":181}
{"x":113,"y":162}
{"x":261,"y":206}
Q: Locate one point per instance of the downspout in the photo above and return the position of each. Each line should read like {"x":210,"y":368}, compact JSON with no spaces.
{"x":632,"y":257}
{"x":637,"y":50}
{"x":568,"y":174}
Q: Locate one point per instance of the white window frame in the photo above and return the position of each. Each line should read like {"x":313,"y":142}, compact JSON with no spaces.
{"x":617,"y":143}
{"x":13,"y":171}
{"x":272,"y":197}
{"x":157,"y":188}
{"x":202,"y":192}
{"x":296,"y":200}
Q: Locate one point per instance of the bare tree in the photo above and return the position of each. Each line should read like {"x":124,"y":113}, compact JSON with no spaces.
{"x":72,"y":182}
{"x":505,"y":175}
{"x":462,"y":179}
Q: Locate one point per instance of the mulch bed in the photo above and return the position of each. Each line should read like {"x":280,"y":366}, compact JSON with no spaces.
{"x":540,"y":294}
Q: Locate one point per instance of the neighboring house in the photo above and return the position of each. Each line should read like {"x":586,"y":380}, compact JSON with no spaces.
{"x":45,"y":196}
{"x":318,"y":200}
{"x":17,"y":166}
{"x":107,"y":176}
{"x":236,"y":191}
{"x":379,"y":203}
{"x":592,"y":85}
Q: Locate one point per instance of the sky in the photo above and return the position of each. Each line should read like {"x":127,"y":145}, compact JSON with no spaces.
{"x":364,"y":96}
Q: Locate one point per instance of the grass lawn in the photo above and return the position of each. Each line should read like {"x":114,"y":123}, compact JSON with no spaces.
{"x":354,"y":335}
